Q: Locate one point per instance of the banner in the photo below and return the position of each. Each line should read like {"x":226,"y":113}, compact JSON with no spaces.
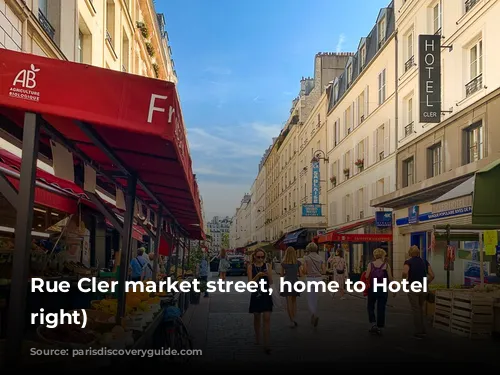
{"x":315,"y":182}
{"x":429,"y":69}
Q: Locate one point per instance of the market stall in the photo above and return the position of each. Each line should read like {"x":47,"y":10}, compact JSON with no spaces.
{"x":125,"y":135}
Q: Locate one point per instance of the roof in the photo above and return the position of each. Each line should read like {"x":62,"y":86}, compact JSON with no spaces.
{"x":137,"y":119}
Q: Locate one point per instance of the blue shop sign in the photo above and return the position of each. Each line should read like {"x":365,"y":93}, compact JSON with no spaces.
{"x":413,"y":215}
{"x":311,"y":210}
{"x":383,"y":219}
{"x":315,"y":182}
{"x":429,"y":216}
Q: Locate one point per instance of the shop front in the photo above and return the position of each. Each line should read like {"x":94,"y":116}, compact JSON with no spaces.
{"x":123,"y":135}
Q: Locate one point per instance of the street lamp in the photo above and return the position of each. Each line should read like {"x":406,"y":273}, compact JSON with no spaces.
{"x":319,"y":155}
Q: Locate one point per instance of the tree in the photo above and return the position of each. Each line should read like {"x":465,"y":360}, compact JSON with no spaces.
{"x":225,"y":241}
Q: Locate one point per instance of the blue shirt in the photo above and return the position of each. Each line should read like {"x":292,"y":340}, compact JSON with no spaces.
{"x":204,"y":267}
{"x":137,"y":265}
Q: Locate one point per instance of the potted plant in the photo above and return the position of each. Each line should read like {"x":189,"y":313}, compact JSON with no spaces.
{"x":346,"y":172}
{"x":144,"y":29}
{"x":333,"y":180}
{"x":150,"y":49}
{"x":156,"y":69}
{"x":360,"y":163}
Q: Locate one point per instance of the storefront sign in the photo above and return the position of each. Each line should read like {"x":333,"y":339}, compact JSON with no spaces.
{"x":430,"y":78}
{"x":453,"y":204}
{"x":315,"y":182}
{"x":413,"y":215}
{"x":434,"y":216}
{"x":383,"y":219}
{"x":311,"y":210}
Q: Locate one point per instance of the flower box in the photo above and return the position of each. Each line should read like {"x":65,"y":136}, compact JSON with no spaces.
{"x":359,"y":163}
{"x":346,"y":172}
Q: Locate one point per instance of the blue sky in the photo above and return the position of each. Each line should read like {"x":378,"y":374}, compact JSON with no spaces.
{"x":239,"y":65}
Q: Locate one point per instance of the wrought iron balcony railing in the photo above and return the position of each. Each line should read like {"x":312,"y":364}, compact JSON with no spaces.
{"x":109,"y":39}
{"x":49,"y":29}
{"x":469,"y":4}
{"x":473,"y":86}
{"x":409,"y":129}
{"x":409,"y":63}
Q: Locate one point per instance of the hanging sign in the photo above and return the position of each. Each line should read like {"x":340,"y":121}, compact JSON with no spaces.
{"x":429,"y":66}
{"x":315,"y":182}
{"x":490,"y":238}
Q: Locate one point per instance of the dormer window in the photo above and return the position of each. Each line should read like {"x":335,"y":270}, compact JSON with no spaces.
{"x":336,"y":92}
{"x":362,"y":57}
{"x":349,"y":74}
{"x":381,"y":31}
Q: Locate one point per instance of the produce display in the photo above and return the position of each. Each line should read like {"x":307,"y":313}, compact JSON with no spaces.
{"x":67,"y":334}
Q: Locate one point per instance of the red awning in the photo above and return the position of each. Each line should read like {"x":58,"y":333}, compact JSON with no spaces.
{"x":137,"y":231}
{"x":164,"y":247}
{"x":139,"y":119}
{"x":356,"y":225}
{"x":339,"y":235}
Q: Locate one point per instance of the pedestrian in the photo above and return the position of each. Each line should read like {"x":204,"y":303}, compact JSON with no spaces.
{"x":339,"y":271}
{"x":224,"y":264}
{"x":147,"y":270}
{"x":378,"y":270}
{"x":291,"y":270}
{"x":314,"y":268}
{"x":261,"y":302}
{"x":137,"y":264}
{"x":416,"y":269}
{"x":204,"y":272}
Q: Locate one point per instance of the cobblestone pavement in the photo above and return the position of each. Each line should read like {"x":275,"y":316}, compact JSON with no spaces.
{"x":342,"y":335}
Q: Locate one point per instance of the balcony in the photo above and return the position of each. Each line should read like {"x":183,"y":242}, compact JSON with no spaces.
{"x":474,"y":86}
{"x":47,"y":27}
{"x":109,"y":41}
{"x":469,"y":4}
{"x":409,"y":63}
{"x":409,"y":129}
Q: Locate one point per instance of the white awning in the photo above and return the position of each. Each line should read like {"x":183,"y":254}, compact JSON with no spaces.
{"x":464,"y":189}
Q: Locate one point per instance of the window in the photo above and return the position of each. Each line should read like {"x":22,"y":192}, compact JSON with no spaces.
{"x":379,"y":151}
{"x":381,"y":87}
{"x":319,"y":119}
{"x":381,"y":32}
{"x":409,"y":52}
{"x":434,"y":160}
{"x":469,"y":4}
{"x":409,"y":129}
{"x":348,"y":117}
{"x":474,"y":139}
{"x":80,"y":46}
{"x":336,"y":92}
{"x":436,"y":18}
{"x":349,"y":74}
{"x":361,"y":107}
{"x":361,"y":150}
{"x":361,"y":203}
{"x":475,"y":69}
{"x":110,"y":23}
{"x":335,"y":130}
{"x":362,"y":57}
{"x":42,"y":5}
{"x":408,"y":172}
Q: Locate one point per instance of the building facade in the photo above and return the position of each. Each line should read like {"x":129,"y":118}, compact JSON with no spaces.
{"x":361,"y":138}
{"x":435,"y":162}
{"x":241,"y":227}
{"x":258,"y":206}
{"x":218,"y":230}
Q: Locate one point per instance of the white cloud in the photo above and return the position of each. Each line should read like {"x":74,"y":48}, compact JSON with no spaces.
{"x":221,"y":199}
{"x":228,"y":171}
{"x":266,"y":131}
{"x":340,"y":43}
{"x":209,"y":144}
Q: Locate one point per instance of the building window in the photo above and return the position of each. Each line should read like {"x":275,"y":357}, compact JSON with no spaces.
{"x":42,"y":5}
{"x":80,"y":46}
{"x":348,"y":118}
{"x":409,"y":128}
{"x":335,"y":140}
{"x":349,"y":74}
{"x":408,"y":172}
{"x":381,"y":87}
{"x":436,"y":18}
{"x":474,"y":142}
{"x":475,"y":69}
{"x":469,"y":4}
{"x":336,"y":92}
{"x":361,"y":107}
{"x":362,"y":57}
{"x":379,"y":152}
{"x":435,"y":160}
{"x":409,"y":52}
{"x":381,"y":32}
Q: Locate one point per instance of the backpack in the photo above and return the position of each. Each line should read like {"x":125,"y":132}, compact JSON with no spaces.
{"x":379,"y":273}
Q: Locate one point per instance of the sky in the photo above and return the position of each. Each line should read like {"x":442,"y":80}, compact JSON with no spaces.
{"x":239,"y":65}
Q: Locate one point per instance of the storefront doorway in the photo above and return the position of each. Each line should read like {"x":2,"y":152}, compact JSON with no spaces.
{"x":420,"y":239}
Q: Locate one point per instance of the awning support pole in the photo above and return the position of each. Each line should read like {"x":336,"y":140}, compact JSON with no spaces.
{"x":24,"y":223}
{"x":126,"y":244}
{"x":157,"y":243}
{"x":184,"y":251}
{"x":8,"y":191}
{"x":448,"y":261}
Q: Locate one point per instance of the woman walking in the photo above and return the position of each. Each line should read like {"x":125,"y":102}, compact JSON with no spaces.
{"x":339,"y":270}
{"x":291,"y":270}
{"x":261,"y":302}
{"x":377,"y":270}
{"x":314,"y":267}
{"x":224,"y":264}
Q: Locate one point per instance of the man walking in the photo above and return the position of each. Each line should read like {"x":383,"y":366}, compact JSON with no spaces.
{"x":204,"y":271}
{"x":137,"y":264}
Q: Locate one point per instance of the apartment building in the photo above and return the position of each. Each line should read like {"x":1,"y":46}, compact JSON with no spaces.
{"x":361,"y":135}
{"x":240,"y":232}
{"x":219,"y":231}
{"x":436,"y":162}
{"x":125,"y":35}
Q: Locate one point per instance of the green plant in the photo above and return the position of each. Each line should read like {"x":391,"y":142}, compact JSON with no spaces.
{"x":150,"y":49}
{"x":156,"y":68}
{"x":203,"y":286}
{"x":144,"y":29}
{"x":195,"y":257}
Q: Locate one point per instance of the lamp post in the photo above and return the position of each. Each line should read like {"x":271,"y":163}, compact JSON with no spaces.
{"x":319,"y":155}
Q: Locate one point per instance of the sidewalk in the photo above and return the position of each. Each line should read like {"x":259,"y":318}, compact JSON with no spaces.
{"x":399,"y":302}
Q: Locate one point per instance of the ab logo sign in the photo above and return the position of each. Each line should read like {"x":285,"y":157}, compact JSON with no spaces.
{"x":24,"y":84}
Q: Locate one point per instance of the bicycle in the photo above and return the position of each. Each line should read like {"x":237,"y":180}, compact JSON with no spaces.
{"x":177,"y":336}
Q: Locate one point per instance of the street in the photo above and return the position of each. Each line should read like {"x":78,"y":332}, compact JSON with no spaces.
{"x":341,"y":336}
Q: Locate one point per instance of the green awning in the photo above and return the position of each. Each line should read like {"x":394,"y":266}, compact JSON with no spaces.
{"x":486,"y":205}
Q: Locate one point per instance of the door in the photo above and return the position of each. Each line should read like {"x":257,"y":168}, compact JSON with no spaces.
{"x":420,"y":239}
